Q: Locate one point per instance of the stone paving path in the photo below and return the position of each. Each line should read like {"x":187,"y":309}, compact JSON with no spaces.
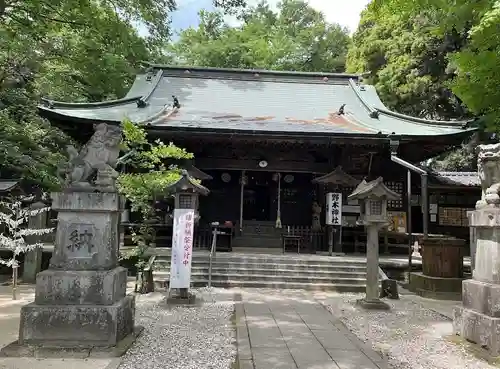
{"x":291,"y":330}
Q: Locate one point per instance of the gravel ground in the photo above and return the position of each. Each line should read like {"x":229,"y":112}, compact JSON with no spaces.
{"x":184,"y":337}
{"x":411,"y":336}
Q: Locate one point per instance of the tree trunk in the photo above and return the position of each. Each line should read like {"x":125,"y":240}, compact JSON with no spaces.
{"x":144,"y":281}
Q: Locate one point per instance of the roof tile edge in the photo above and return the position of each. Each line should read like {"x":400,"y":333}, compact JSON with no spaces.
{"x":183,"y":68}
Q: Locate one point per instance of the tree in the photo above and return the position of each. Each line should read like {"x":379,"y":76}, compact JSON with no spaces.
{"x":474,"y":63}
{"x":151,"y":170}
{"x":297,"y":37}
{"x":14,"y":235}
{"x":69,"y":50}
{"x":407,"y":63}
{"x":415,"y":57}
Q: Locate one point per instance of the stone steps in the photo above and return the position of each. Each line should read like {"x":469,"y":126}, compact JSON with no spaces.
{"x":289,"y":277}
{"x":271,"y":271}
{"x":274,"y":285}
{"x":272,"y":268}
{"x":276,"y":263}
{"x":257,"y":242}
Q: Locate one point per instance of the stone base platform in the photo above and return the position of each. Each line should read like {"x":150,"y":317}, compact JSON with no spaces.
{"x":478,"y":320}
{"x":86,"y":326}
{"x":15,"y":349}
{"x":436,"y":287}
{"x":478,"y":328}
{"x":373,"y":305}
{"x":190,"y":299}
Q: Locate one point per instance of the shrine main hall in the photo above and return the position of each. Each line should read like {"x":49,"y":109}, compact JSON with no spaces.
{"x":270,"y":145}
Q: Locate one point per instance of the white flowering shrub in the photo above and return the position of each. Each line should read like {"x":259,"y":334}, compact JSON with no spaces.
{"x":14,"y":232}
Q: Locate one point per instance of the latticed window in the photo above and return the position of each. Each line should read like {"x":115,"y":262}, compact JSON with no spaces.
{"x":185,"y":201}
{"x":398,"y":188}
{"x":455,"y":217}
{"x":375,"y":207}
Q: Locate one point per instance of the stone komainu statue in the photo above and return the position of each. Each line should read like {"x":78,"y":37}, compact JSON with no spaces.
{"x":488,"y":163}
{"x":93,"y":168}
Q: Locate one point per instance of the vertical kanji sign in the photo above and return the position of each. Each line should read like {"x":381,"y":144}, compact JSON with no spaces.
{"x":333,"y":209}
{"x":182,"y":248}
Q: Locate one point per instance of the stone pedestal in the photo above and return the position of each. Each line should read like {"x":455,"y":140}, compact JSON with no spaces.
{"x":81,"y":300}
{"x":478,"y":320}
{"x":182,"y":297}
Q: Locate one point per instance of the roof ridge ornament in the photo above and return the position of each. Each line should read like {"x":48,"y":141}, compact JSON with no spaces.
{"x":176,"y":103}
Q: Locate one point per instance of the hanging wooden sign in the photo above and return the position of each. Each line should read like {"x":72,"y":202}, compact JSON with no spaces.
{"x":333,"y":209}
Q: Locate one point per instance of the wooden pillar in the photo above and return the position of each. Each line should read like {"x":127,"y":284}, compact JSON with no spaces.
{"x":33,"y":258}
{"x":330,"y":239}
{"x":473,"y":242}
{"x":242,"y":193}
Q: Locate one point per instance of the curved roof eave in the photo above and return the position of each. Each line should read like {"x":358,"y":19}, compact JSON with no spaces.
{"x":141,"y":96}
{"x":379,"y":108}
{"x":150,"y":123}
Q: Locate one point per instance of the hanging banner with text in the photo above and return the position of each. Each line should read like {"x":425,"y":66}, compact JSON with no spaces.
{"x":182,"y":248}
{"x":333,"y":209}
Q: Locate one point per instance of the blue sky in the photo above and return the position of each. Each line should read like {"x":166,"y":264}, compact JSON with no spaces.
{"x":186,"y":14}
{"x":343,"y":12}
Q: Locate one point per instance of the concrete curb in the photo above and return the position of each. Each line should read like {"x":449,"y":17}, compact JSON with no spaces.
{"x":244,"y":353}
{"x":114,"y":364}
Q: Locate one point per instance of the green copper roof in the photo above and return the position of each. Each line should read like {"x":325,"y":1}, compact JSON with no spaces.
{"x":250,"y":101}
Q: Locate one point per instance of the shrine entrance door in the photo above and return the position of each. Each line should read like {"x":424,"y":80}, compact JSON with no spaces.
{"x":257,"y":196}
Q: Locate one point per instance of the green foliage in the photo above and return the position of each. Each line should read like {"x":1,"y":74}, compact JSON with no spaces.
{"x":69,"y":50}
{"x":474,"y":61}
{"x":407,"y":62}
{"x":150,"y":175}
{"x":297,"y":37}
{"x":148,"y":179}
{"x":434,"y":58}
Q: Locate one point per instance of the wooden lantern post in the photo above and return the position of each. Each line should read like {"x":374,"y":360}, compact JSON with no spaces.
{"x":186,"y":192}
{"x":373,"y":197}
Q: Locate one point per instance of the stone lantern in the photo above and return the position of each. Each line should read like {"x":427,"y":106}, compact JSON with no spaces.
{"x":186,"y":193}
{"x":373,"y":197}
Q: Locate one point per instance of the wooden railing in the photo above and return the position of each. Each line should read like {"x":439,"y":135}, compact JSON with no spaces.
{"x":312,"y":239}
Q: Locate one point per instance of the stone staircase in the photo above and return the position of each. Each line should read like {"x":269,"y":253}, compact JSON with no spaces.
{"x":308,"y":272}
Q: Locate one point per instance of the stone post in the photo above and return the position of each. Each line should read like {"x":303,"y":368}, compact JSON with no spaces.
{"x":81,"y":299}
{"x":472,"y":236}
{"x":33,"y":259}
{"x":478,"y":319}
{"x":372,"y":255}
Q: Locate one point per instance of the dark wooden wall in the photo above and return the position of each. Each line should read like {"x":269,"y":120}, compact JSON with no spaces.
{"x":223,"y":202}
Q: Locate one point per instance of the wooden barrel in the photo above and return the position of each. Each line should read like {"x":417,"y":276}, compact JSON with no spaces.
{"x":442,"y":256}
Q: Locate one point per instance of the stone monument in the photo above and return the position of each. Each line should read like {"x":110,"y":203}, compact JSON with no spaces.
{"x":373,"y":197}
{"x":81,"y":301}
{"x":478,"y":319}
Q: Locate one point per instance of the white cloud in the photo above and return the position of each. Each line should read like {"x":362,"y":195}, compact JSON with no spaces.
{"x":343,"y":12}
